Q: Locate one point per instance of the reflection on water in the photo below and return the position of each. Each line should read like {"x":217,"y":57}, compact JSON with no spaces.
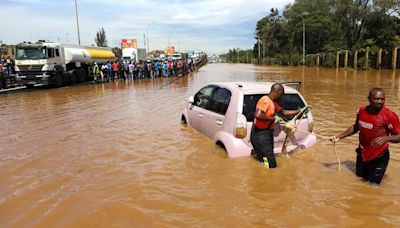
{"x":115,"y":154}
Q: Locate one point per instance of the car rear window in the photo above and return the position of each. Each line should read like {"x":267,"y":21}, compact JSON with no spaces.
{"x":288,"y":102}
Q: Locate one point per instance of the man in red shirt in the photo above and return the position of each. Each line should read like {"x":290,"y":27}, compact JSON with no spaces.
{"x":378,"y":126}
{"x":262,"y":137}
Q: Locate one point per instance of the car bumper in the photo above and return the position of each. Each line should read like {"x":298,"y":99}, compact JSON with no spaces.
{"x":237,"y":147}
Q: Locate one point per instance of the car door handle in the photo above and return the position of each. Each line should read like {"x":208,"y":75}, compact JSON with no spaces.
{"x":201,"y":115}
{"x":219,"y":122}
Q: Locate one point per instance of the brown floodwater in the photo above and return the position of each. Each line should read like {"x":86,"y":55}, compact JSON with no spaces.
{"x":116,"y":154}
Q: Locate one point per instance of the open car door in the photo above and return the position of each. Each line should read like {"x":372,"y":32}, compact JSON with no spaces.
{"x":294,"y":85}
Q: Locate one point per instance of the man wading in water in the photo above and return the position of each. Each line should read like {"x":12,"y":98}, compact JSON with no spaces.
{"x":262,"y":137}
{"x":377,"y":126}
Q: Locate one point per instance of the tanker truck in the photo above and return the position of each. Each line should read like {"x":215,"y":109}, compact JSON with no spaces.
{"x":56,"y":64}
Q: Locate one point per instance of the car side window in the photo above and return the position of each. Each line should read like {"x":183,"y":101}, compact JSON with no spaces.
{"x":220,"y":101}
{"x":288,"y":102}
{"x":203,"y":97}
{"x":291,"y":102}
{"x":50,"y":52}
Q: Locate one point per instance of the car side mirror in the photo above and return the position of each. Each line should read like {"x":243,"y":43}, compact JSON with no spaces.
{"x":191,"y":99}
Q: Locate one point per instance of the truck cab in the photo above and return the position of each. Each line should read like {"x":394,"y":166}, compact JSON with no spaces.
{"x":129,"y":54}
{"x":57,"y":64}
{"x":35,"y":63}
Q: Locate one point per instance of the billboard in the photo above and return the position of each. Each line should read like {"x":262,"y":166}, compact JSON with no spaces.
{"x":170,"y":50}
{"x":128,"y":43}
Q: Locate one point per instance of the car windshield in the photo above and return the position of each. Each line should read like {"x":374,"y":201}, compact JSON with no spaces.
{"x":30,"y":52}
{"x":288,"y":102}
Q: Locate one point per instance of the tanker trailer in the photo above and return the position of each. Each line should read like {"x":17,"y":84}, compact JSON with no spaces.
{"x":56,"y":64}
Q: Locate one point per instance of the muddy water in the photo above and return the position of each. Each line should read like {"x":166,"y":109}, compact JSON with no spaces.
{"x":115,"y":154}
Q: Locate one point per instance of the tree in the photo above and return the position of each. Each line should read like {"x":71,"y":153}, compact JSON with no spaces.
{"x":317,"y":18}
{"x":271,"y":33}
{"x":330,"y":25}
{"x":382,"y":29}
{"x":390,"y":7}
{"x":101,"y":39}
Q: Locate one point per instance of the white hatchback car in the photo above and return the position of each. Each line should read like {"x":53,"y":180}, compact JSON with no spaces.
{"x":224,"y":112}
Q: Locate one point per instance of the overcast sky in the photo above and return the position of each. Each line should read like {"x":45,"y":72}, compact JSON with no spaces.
{"x":213,"y":26}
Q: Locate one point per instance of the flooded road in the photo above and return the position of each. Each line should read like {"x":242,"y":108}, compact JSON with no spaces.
{"x":115,"y":154}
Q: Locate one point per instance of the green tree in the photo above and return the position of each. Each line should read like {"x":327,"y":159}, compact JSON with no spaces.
{"x":351,"y":17}
{"x":330,"y":25}
{"x":319,"y":27}
{"x":101,"y":39}
{"x":383,"y":30}
{"x":390,"y":7}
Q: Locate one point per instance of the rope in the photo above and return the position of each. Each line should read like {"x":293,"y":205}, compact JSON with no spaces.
{"x":291,"y":128}
{"x":337,"y":157}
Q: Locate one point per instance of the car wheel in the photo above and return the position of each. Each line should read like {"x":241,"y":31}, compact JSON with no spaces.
{"x":220,"y":150}
{"x":221,"y":145}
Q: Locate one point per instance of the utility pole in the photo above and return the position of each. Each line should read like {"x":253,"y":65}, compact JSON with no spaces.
{"x":77,"y":23}
{"x":304,"y":42}
{"x":147,"y":30}
{"x":304,"y":36}
{"x":144,"y":40}
{"x":259,"y":51}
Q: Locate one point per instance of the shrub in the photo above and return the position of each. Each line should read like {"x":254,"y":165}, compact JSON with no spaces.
{"x":361,"y":63}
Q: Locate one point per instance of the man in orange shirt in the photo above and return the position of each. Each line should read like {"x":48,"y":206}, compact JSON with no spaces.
{"x":262,"y":137}
{"x":115,"y":69}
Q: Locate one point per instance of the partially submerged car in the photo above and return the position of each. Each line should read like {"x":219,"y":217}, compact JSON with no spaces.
{"x":224,"y":112}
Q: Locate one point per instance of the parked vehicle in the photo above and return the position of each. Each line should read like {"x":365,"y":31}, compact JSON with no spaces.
{"x":134,"y":54}
{"x":176,"y":56}
{"x":129,"y":54}
{"x":57,"y":64}
{"x":142,"y":54}
{"x":224,"y":112}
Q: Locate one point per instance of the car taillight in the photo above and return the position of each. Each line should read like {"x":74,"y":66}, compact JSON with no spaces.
{"x":240,"y":130}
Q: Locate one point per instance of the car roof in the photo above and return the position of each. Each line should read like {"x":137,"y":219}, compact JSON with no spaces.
{"x":252,"y":87}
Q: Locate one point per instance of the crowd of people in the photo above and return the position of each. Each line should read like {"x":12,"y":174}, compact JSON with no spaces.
{"x":7,"y":67}
{"x":131,"y":70}
{"x":125,"y":70}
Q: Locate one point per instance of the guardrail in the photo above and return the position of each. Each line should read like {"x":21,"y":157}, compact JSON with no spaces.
{"x":201,"y":62}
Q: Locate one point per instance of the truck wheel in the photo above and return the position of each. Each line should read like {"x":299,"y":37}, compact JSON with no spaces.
{"x":2,"y":84}
{"x":67,"y":79}
{"x":74,"y":77}
{"x":81,"y":76}
{"x":58,"y":79}
{"x":29,"y":86}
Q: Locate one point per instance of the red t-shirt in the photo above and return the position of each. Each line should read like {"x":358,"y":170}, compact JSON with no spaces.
{"x":269,"y":107}
{"x":373,"y":126}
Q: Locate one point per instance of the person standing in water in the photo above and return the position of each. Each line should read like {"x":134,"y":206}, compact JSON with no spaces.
{"x":377,"y":126}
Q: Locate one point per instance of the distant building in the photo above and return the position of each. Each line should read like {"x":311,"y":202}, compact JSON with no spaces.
{"x":156,"y":54}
